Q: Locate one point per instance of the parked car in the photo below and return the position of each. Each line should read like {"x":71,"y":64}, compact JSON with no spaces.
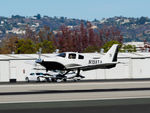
{"x":35,"y":77}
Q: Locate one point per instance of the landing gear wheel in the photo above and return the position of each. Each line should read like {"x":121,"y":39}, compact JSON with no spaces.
{"x":47,"y":80}
{"x":65,"y":80}
{"x":27,"y":79}
{"x":75,"y":80}
{"x":38,"y":79}
{"x":53,"y":80}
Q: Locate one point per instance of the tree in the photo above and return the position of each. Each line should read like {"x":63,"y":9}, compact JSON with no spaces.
{"x":25,"y":46}
{"x":45,"y":33}
{"x":107,"y":34}
{"x":38,"y":16}
{"x":47,"y":46}
{"x":30,"y":34}
{"x":9,"y":45}
{"x":108,"y":45}
{"x":77,"y":39}
{"x":142,"y":20}
{"x":91,"y":49}
{"x":129,"y":48}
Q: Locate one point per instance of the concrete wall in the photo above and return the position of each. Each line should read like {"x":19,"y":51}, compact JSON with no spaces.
{"x":128,"y":69}
{"x":4,"y":71}
{"x":19,"y":69}
{"x":141,"y":68}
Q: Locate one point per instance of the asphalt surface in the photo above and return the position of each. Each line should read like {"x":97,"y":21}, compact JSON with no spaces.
{"x":108,"y":109}
{"x":105,"y":97}
{"x":103,"y":106}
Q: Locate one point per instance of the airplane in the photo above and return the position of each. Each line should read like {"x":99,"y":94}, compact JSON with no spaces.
{"x":73,"y":61}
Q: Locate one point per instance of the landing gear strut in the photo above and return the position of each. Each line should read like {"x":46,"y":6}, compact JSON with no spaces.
{"x":78,"y":74}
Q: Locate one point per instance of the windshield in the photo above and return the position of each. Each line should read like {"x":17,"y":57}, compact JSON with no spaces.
{"x":62,"y":55}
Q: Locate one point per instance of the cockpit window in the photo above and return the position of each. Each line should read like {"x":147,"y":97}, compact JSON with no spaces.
{"x":62,"y":55}
{"x":39,"y":73}
{"x":31,"y":73}
{"x":72,"y":56}
{"x":81,"y":57}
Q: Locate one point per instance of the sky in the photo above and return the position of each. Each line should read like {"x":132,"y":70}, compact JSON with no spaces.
{"x":80,"y":9}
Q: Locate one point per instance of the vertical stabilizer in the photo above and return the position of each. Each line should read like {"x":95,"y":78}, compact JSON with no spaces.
{"x":111,"y":55}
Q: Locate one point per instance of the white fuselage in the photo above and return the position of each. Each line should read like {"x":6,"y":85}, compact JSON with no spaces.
{"x":76,"y":61}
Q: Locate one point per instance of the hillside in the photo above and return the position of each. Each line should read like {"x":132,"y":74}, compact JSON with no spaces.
{"x":18,"y":24}
{"x":132,"y":29}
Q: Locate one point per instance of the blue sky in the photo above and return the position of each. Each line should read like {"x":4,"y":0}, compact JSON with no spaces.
{"x":82,"y":9}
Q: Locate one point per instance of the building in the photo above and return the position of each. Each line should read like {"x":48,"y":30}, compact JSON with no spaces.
{"x":15,"y":67}
{"x":140,"y":46}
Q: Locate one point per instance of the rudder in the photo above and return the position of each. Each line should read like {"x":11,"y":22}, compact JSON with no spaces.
{"x":111,"y":55}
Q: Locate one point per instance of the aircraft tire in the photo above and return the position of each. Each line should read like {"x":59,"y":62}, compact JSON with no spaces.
{"x":53,"y":80}
{"x":38,"y":79}
{"x":75,"y":80}
{"x":27,"y":79}
{"x":47,"y":79}
{"x":65,"y":80}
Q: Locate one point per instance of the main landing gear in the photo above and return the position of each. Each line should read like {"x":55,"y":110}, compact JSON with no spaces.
{"x":67,"y":75}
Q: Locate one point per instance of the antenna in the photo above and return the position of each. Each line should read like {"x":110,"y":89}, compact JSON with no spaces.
{"x":39,"y":53}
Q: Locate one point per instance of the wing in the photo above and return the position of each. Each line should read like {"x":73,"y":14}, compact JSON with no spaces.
{"x":51,"y":65}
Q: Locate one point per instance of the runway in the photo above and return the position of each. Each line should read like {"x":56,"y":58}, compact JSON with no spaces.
{"x":55,"y":92}
{"x":105,"y":97}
